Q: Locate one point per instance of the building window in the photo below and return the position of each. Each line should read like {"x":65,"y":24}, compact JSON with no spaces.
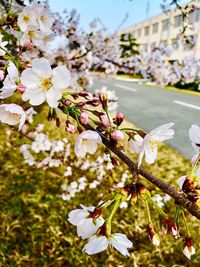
{"x":139,"y":33}
{"x":145,"y":47}
{"x":163,"y":43}
{"x":175,"y":43}
{"x":165,"y":24}
{"x":197,"y":15}
{"x":194,"y":16}
{"x":146,"y":30}
{"x":155,"y":28}
{"x":178,"y":20}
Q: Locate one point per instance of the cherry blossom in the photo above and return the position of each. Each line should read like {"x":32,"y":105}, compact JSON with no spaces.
{"x":151,"y":141}
{"x":86,"y":224}
{"x":12,"y":114}
{"x":87,"y":142}
{"x":117,"y":135}
{"x":10,"y":82}
{"x":42,"y":83}
{"x":136,"y":143}
{"x":188,"y":248}
{"x":100,"y":243}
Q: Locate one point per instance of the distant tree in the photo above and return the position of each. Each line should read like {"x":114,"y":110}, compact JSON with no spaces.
{"x":128,"y":45}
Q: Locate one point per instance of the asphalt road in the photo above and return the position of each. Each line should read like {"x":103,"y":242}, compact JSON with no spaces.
{"x":148,"y":107}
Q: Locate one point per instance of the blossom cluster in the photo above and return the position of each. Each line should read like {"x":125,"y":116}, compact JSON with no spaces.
{"x":36,"y":73}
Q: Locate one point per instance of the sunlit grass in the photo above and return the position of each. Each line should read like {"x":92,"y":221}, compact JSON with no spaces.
{"x":34,"y":227}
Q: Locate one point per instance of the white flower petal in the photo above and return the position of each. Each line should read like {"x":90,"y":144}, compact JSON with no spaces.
{"x":150,"y":154}
{"x":121,"y":243}
{"x":86,"y":228}
{"x":96,"y":245}
{"x":53,"y":96}
{"x":12,"y":72}
{"x":61,"y":77}
{"x":41,"y":67}
{"x":75,"y":216}
{"x":29,"y":79}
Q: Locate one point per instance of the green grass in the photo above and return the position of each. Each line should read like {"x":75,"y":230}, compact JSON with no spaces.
{"x":34,"y":229}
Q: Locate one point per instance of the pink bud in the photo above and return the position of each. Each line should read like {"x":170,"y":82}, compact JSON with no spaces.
{"x":117,"y":135}
{"x":67,"y":102}
{"x":28,"y":45}
{"x":70,"y":128}
{"x":114,"y":161}
{"x":119,"y":118}
{"x":21,"y":89}
{"x":1,"y":75}
{"x":105,"y":121}
{"x":84,"y":118}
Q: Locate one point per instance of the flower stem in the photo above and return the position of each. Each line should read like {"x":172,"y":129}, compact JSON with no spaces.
{"x":108,"y":221}
{"x":185,"y":222}
{"x":148,"y":213}
{"x":108,"y":116}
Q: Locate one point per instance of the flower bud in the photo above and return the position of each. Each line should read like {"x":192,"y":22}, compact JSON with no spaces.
{"x":1,"y":75}
{"x":67,"y":102}
{"x":117,"y":135}
{"x":105,"y":121}
{"x":154,"y":238}
{"x":80,"y":104}
{"x":104,"y":100}
{"x":114,"y":161}
{"x":84,"y":118}
{"x":94,"y":102}
{"x":188,"y":248}
{"x":86,"y":95}
{"x":119,"y":118}
{"x":28,"y":45}
{"x":21,"y":89}
{"x":70,"y":128}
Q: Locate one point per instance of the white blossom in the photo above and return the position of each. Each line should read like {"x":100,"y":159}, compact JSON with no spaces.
{"x":86,"y":225}
{"x":12,"y":114}
{"x":42,"y":83}
{"x":9,"y":84}
{"x":87,"y":142}
{"x":150,"y":143}
{"x":100,"y":243}
{"x":189,"y":251}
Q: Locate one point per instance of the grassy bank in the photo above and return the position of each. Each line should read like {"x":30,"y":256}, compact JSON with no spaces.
{"x":34,"y":227}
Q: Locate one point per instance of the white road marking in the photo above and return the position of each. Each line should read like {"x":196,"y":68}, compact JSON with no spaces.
{"x":126,"y":87}
{"x":186,"y":104}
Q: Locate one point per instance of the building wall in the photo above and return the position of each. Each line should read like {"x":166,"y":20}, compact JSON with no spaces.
{"x":165,"y":29}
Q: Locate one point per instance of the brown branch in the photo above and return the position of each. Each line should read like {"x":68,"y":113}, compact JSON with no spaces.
{"x":179,"y":197}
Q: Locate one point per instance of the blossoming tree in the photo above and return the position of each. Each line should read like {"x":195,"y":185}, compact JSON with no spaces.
{"x":33,"y":74}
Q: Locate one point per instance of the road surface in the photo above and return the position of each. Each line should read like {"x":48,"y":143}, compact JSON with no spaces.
{"x":148,"y":107}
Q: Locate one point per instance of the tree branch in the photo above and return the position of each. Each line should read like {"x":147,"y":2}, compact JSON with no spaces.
{"x":179,"y":197}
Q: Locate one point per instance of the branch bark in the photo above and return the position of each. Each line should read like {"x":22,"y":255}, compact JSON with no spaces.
{"x":179,"y":197}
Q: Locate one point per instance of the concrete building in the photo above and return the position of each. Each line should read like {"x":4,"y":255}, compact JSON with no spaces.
{"x":165,"y":29}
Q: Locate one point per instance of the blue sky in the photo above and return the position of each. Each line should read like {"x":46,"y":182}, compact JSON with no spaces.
{"x":111,"y":12}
